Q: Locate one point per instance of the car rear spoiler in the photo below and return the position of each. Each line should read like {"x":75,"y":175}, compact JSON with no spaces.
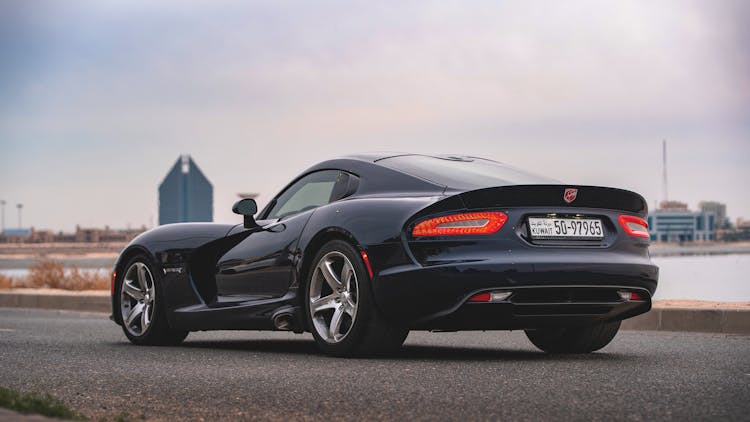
{"x":555,"y":196}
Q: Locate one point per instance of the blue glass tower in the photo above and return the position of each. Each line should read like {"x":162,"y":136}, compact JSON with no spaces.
{"x":185,"y":195}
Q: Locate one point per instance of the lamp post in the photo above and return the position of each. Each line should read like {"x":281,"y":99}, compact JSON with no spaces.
{"x":20,"y":207}
{"x":2,"y":207}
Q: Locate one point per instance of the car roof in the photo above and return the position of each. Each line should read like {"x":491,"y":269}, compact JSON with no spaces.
{"x":450,"y":171}
{"x":376,"y":156}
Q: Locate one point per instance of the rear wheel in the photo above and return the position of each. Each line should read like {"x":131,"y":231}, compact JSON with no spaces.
{"x":574,"y":340}
{"x":141,"y":308}
{"x":339,"y":307}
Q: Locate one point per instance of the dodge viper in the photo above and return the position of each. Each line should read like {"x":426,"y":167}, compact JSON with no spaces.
{"x":362,"y":249}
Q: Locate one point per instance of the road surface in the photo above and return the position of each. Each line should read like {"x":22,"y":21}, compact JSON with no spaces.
{"x":84,"y":359}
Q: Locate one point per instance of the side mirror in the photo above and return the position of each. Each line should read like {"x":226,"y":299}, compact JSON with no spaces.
{"x":247,"y":208}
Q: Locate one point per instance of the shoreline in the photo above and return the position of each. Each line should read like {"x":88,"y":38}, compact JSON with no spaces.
{"x":43,"y":250}
{"x":714,"y":248}
{"x":63,"y":250}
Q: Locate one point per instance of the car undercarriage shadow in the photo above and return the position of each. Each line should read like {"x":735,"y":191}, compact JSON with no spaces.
{"x":408,"y":352}
{"x":292,"y":346}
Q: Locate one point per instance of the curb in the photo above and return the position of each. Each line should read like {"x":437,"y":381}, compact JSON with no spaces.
{"x":13,"y":416}
{"x":727,"y":321}
{"x":72,"y":302}
{"x":660,"y":318}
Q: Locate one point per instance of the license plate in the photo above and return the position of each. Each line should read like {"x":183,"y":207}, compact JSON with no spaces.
{"x":565,"y":228}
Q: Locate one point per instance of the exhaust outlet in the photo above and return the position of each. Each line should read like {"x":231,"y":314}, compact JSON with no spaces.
{"x":288,"y":319}
{"x":283,"y":321}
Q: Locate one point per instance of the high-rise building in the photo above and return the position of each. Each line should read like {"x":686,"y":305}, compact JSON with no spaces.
{"x":185,"y":195}
{"x":719,"y":210}
{"x":681,"y":225}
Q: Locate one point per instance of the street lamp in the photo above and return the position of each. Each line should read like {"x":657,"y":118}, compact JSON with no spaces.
{"x":19,"y":206}
{"x":2,"y":207}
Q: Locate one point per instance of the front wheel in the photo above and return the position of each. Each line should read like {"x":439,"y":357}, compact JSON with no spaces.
{"x":141,"y":308}
{"x":574,"y":340}
{"x":340,"y":309}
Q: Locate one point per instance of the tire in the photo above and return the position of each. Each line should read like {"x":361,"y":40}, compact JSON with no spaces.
{"x":360,"y":329}
{"x":138,"y":297}
{"x":574,"y":340}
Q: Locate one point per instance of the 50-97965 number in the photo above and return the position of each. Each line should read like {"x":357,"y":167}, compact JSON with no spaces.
{"x":562,"y":228}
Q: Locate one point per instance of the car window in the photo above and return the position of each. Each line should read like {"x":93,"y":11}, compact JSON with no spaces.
{"x":310,"y":192}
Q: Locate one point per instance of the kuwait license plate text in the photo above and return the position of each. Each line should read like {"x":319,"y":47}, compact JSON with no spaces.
{"x":565,"y":228}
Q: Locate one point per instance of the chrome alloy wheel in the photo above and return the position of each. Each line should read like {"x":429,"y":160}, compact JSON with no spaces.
{"x":137,"y":299}
{"x":333,"y":297}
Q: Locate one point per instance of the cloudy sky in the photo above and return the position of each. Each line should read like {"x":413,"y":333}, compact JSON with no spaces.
{"x":99,"y":98}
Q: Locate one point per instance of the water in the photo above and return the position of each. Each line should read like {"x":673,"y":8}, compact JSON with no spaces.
{"x":724,"y":278}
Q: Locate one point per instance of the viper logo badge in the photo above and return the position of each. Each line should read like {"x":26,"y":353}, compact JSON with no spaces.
{"x":570,"y":195}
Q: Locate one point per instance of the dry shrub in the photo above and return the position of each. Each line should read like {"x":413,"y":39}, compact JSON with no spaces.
{"x":45,"y":274}
{"x":5,"y":282}
{"x":86,"y":280}
{"x":52,"y":274}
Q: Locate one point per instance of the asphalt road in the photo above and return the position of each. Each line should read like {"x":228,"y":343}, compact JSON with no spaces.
{"x":85,"y":360}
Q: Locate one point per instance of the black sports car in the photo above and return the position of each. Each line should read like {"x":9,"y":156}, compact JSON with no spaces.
{"x":360,"y":250}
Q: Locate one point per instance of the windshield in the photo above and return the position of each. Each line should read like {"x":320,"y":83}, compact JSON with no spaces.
{"x":463,"y":172}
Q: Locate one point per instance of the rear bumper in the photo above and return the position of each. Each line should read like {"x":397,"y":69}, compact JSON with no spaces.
{"x":513,"y":316}
{"x":436,"y":298}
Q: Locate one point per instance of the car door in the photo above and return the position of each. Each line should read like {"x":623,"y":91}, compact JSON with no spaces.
{"x":262,"y":264}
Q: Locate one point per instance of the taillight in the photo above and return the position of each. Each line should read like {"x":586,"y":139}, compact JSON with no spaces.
{"x":628,"y":295}
{"x":458,"y":224}
{"x":481,"y":297}
{"x":493,"y":296}
{"x":634,"y":226}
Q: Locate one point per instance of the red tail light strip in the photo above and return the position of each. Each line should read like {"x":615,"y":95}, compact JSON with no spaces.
{"x":481,"y":297}
{"x":634,"y":226}
{"x":461,"y":224}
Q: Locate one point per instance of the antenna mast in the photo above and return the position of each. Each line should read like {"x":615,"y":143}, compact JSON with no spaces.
{"x":665,"y":190}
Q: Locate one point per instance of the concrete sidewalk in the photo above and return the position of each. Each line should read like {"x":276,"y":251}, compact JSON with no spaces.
{"x":695,"y":316}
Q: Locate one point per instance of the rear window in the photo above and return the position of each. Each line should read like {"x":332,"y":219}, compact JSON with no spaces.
{"x":463,"y":172}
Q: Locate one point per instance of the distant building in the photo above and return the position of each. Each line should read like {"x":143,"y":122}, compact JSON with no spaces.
{"x":739,"y":233}
{"x":185,"y":195}
{"x":81,"y":235}
{"x":17,"y":232}
{"x":718,"y":209}
{"x":15,"y":235}
{"x":96,"y":235}
{"x":673,"y":205}
{"x":681,"y":225}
